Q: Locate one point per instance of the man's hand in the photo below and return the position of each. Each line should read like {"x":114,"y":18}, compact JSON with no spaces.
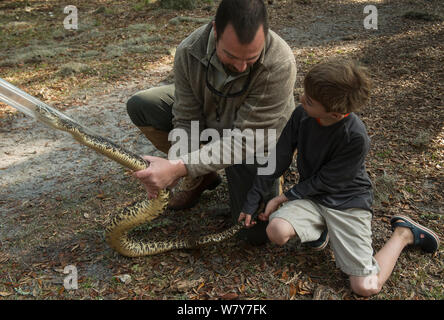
{"x":272,"y":206}
{"x":162,"y":173}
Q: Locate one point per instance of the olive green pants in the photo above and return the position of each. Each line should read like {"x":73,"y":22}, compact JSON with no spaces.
{"x":153,"y":107}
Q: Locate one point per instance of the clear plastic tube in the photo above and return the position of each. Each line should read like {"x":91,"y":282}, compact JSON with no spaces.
{"x":22,"y":101}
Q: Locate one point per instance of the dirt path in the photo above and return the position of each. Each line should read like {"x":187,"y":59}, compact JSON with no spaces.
{"x":39,"y":161}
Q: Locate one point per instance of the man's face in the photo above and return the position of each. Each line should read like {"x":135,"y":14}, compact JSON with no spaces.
{"x":237,"y":57}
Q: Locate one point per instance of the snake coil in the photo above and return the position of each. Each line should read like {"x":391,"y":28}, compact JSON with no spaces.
{"x":135,"y":215}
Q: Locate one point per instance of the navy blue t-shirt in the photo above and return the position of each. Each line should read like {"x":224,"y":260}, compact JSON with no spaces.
{"x":330,"y":162}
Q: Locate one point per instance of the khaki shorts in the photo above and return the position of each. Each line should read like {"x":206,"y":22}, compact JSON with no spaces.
{"x":349,"y":231}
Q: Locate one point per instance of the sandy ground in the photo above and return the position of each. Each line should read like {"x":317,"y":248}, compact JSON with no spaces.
{"x":37,"y":161}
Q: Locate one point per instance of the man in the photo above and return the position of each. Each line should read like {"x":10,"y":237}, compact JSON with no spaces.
{"x":233,"y":73}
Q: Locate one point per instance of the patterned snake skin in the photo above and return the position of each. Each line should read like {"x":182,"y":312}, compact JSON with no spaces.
{"x":140,"y":213}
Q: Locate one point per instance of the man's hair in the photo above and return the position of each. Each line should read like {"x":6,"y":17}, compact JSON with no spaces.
{"x":339,"y":85}
{"x":246,"y":16}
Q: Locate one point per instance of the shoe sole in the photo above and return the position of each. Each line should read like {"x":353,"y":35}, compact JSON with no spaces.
{"x":322,"y":247}
{"x":419,"y":226}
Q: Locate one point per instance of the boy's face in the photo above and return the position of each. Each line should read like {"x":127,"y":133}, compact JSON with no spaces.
{"x":313,"y":108}
{"x":316,"y":110}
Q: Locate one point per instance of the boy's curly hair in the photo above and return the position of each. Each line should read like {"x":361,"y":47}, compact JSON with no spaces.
{"x":339,"y":85}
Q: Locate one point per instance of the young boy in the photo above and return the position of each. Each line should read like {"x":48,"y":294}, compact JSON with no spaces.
{"x":334,"y":195}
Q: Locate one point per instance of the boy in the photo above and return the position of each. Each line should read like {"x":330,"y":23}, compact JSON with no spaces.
{"x":334,"y":195}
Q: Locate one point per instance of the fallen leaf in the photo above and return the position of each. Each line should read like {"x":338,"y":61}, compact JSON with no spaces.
{"x":124,"y":278}
{"x":292,"y":291}
{"x":200,"y":286}
{"x":184,"y":285}
{"x":302,"y":288}
{"x":284,"y":276}
{"x":21,"y":292}
{"x":3,"y":258}
{"x":229,"y":296}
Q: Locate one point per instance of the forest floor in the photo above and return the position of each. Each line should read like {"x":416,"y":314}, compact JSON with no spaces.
{"x":57,"y":197}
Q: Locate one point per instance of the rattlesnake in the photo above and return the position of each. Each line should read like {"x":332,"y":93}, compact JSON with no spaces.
{"x":128,"y":218}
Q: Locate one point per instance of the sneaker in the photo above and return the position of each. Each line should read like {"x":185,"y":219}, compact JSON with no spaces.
{"x":321,"y":243}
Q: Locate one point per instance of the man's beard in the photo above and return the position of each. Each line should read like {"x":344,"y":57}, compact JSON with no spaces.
{"x":231,"y":70}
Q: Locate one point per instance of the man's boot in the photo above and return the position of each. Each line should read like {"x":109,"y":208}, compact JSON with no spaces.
{"x":157,"y":137}
{"x":187,"y":194}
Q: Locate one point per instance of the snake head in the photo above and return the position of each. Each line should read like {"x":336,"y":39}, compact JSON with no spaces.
{"x":52,"y":118}
{"x":47,"y":116}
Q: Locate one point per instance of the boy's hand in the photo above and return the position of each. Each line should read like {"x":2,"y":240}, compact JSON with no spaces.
{"x":272,"y":206}
{"x":248,"y":221}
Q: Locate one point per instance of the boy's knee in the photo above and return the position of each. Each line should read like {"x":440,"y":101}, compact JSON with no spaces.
{"x":276,"y":234}
{"x":365,"y":286}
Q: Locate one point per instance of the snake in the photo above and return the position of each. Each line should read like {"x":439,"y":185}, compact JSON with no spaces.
{"x":140,"y":213}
